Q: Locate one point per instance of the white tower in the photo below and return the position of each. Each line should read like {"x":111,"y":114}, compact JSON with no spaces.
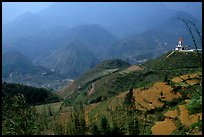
{"x":180,"y":44}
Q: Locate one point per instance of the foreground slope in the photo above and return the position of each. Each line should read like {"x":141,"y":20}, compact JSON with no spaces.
{"x":164,"y":94}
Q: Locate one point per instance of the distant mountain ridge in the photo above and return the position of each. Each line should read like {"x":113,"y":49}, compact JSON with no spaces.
{"x":155,"y":41}
{"x":70,"y":61}
{"x":19,"y":69}
{"x":112,"y":31}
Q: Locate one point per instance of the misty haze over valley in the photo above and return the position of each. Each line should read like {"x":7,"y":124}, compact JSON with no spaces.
{"x":66,"y":39}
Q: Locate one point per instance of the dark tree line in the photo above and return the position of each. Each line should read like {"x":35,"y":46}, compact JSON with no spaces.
{"x":33,"y":95}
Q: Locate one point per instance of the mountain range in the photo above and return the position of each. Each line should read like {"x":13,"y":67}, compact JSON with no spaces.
{"x":75,"y":42}
{"x":16,"y":68}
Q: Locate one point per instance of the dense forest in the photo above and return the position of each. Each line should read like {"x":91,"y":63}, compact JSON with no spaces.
{"x":33,"y":95}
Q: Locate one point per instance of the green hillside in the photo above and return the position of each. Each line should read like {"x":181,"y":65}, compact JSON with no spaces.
{"x":175,"y":62}
{"x":103,"y":69}
{"x":113,"y":99}
{"x":162,"y":94}
{"x":100,"y":84}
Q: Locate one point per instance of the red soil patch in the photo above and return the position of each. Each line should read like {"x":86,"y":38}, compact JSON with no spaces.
{"x":148,"y":99}
{"x":165,"y":127}
{"x":187,"y":76}
{"x":187,"y":119}
{"x":171,"y":114}
{"x":193,"y":81}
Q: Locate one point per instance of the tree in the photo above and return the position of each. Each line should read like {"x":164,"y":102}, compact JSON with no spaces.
{"x":18,"y":117}
{"x":132,"y":120}
{"x":104,"y":126}
{"x":129,"y":100}
{"x":94,"y":129}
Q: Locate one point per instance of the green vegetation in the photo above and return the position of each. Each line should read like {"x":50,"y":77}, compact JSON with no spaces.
{"x":195,"y":105}
{"x":18,"y":118}
{"x":33,"y":95}
{"x":197,"y":125}
{"x":112,"y":115}
{"x":108,"y":81}
{"x":112,"y":64}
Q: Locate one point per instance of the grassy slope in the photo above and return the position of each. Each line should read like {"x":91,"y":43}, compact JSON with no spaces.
{"x":106,"y":86}
{"x":120,"y":81}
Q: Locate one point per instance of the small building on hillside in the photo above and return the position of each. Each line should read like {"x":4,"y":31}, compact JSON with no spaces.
{"x":180,"y":46}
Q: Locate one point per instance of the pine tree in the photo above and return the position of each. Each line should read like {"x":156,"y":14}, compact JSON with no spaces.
{"x":131,"y":119}
{"x":129,"y":101}
{"x":104,"y":126}
{"x":94,"y":130}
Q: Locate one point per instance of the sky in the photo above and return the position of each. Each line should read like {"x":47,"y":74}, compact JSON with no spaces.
{"x":11,"y":10}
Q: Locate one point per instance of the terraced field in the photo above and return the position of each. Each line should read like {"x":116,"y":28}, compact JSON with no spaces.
{"x":147,"y":99}
{"x":182,"y":114}
{"x":167,"y":126}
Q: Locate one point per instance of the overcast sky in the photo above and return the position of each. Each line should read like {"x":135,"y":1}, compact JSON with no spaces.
{"x":11,"y":10}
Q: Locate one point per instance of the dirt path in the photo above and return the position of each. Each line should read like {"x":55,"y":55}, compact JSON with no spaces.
{"x":91,"y":91}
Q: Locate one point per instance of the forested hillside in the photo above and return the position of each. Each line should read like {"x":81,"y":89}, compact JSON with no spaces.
{"x":33,"y":95}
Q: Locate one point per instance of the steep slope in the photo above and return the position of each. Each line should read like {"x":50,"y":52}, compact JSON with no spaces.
{"x":101,"y":70}
{"x":93,"y":87}
{"x":19,"y":69}
{"x":112,"y":64}
{"x":72,"y":61}
{"x":173,"y":108}
{"x":85,"y":44}
{"x":25,"y":34}
{"x":176,"y":60}
{"x":18,"y":62}
{"x":95,"y":37}
{"x":163,"y":96}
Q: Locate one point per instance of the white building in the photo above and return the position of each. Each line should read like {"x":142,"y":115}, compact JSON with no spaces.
{"x":180,"y":45}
